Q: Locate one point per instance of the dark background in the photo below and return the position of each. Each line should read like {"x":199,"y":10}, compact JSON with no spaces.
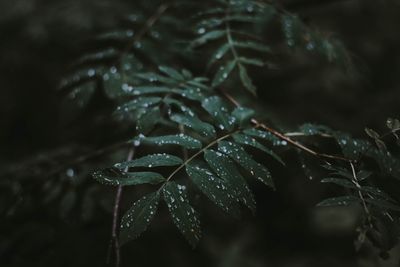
{"x":38,"y":40}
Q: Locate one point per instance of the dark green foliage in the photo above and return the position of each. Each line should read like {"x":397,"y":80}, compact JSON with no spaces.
{"x":138,"y":217}
{"x":191,"y":136}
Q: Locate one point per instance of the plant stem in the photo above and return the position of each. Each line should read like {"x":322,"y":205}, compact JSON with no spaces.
{"x":114,"y":229}
{"x":360,"y":194}
{"x":282,"y":136}
{"x":194,"y":156}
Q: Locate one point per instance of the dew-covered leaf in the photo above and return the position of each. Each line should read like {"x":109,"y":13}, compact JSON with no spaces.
{"x":144,"y":90}
{"x":264,"y":135}
{"x":182,"y":213}
{"x":338,"y":201}
{"x":193,"y":94}
{"x":153,"y":160}
{"x":216,"y":189}
{"x":243,"y":115}
{"x":217,"y":108}
{"x":292,"y":29}
{"x":194,"y":123}
{"x":179,"y":139}
{"x":112,"y":83}
{"x":226,"y":169}
{"x":238,"y":154}
{"x":148,"y":120}
{"x":140,"y":102}
{"x":180,"y":105}
{"x":105,"y":54}
{"x":110,"y":177}
{"x":219,"y":53}
{"x":250,"y":141}
{"x":154,"y":77}
{"x":138,"y":217}
{"x":223,"y":72}
{"x":206,"y":37}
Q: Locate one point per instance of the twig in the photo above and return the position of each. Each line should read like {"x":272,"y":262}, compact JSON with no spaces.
{"x":114,"y":230}
{"x":86,"y":157}
{"x":284,"y":137}
{"x":360,"y":194}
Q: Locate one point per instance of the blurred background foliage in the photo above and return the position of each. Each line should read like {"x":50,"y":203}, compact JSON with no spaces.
{"x":70,"y":225}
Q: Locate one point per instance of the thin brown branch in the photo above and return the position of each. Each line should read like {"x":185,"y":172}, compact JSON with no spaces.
{"x":360,"y":194}
{"x":114,"y":228}
{"x":282,"y":136}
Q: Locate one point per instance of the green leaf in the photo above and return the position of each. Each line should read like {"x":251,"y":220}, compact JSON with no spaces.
{"x":264,"y":135}
{"x":138,"y":217}
{"x":246,"y":80}
{"x":219,"y":53}
{"x":253,"y":46}
{"x":194,"y":123}
{"x":377,"y":193}
{"x":243,"y":115}
{"x":145,"y":90}
{"x":180,"y":105}
{"x":148,"y":120}
{"x":225,"y":168}
{"x":314,"y":129}
{"x":187,"y":74}
{"x":292,"y":29}
{"x":209,"y":36}
{"x":238,"y":154}
{"x":140,"y":102}
{"x":372,"y":133}
{"x":180,"y":140}
{"x":183,"y":214}
{"x":127,"y":178}
{"x":174,"y":74}
{"x":223,"y":72}
{"x":209,"y":23}
{"x":193,"y":94}
{"x":338,"y":181}
{"x":217,"y":108}
{"x":251,"y":61}
{"x":243,"y":18}
{"x":112,"y":83}
{"x":338,"y":201}
{"x":154,"y":77}
{"x":250,"y":141}
{"x":154,"y":160}
{"x":216,"y":189}
{"x":363,"y":174}
{"x":106,"y":54}
{"x":120,"y":35}
{"x":130,"y":64}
